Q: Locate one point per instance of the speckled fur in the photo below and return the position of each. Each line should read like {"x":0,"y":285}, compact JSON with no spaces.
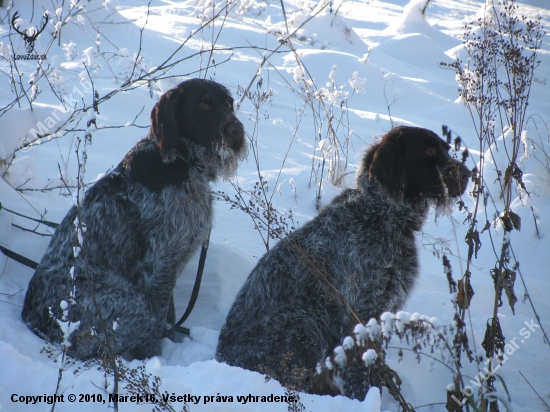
{"x":356,"y":259}
{"x":144,"y":220}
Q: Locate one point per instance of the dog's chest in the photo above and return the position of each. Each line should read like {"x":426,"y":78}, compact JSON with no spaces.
{"x":177,"y":217}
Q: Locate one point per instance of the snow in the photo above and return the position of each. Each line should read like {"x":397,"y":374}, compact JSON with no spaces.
{"x":387,"y":323}
{"x":361,"y":333}
{"x":369,"y":356}
{"x":403,"y":318}
{"x":374,"y":64}
{"x":373,"y":329}
{"x":348,"y":343}
{"x":340,"y":356}
{"x":372,"y":400}
{"x":357,"y":83}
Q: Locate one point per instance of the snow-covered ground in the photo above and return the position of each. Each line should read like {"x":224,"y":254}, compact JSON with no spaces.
{"x":394,"y":52}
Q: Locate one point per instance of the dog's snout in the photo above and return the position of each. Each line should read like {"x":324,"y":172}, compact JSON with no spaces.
{"x":456,"y":177}
{"x":465,"y":173}
{"x":462,"y":176}
{"x":234,"y":134}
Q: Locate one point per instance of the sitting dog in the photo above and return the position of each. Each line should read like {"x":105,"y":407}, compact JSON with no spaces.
{"x":354,"y":261}
{"x":141,"y":223}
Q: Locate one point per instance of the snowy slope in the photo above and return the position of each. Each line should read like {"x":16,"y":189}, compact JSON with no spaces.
{"x":387,"y":43}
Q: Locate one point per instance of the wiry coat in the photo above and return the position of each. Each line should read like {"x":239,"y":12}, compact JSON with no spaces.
{"x":356,"y":259}
{"x":143,"y":221}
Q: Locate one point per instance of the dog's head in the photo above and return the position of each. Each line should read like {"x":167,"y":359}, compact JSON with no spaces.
{"x":199,"y":111}
{"x":412,"y":162}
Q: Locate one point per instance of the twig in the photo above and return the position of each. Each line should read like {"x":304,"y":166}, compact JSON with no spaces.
{"x":534,"y":390}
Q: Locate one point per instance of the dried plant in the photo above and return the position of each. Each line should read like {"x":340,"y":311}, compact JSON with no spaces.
{"x":494,"y":83}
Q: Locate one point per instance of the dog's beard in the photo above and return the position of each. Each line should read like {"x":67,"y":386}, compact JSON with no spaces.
{"x":443,"y":206}
{"x":229,"y":159}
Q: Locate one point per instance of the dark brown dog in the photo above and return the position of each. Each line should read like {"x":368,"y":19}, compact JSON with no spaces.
{"x":143,"y":221}
{"x":354,"y":261}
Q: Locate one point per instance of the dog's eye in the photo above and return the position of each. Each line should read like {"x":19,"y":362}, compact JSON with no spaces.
{"x":230,"y":104}
{"x":203,"y":105}
{"x":431,"y":151}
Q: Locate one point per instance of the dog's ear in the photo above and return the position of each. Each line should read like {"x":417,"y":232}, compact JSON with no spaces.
{"x":386,"y":164}
{"x":164,"y":125}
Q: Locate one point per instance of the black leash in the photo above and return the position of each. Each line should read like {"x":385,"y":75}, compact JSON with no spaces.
{"x":44,"y":222}
{"x":19,"y":258}
{"x":196,"y":287}
{"x":16,"y":256}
